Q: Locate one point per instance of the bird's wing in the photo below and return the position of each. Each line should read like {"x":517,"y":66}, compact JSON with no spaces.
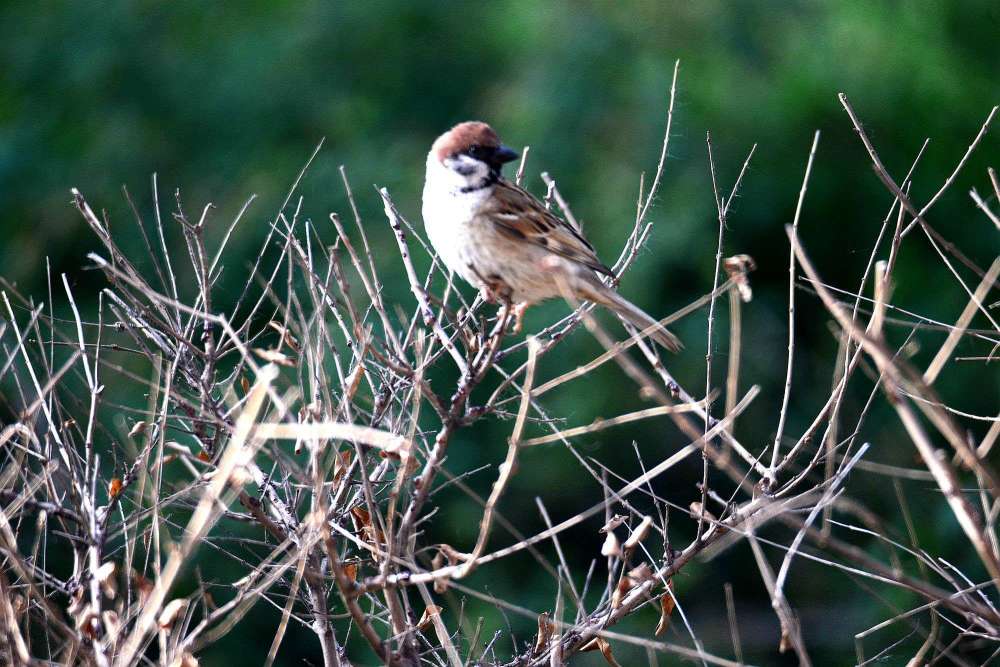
{"x":519,"y":215}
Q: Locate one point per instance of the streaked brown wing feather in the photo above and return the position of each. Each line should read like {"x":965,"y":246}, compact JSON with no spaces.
{"x":520,"y":215}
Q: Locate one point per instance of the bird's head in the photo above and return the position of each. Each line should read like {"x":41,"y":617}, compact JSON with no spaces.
{"x":469,"y":155}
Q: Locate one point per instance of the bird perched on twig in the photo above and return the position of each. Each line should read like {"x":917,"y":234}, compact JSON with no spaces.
{"x":502,"y":240}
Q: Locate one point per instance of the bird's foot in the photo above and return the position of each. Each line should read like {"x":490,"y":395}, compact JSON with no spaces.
{"x":489,"y":296}
{"x":495,"y":291}
{"x":518,"y":312}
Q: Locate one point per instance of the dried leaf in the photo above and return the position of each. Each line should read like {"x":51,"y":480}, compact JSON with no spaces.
{"x":76,"y":603}
{"x":361,"y":515}
{"x":341,"y":464}
{"x":544,"y":636}
{"x":203,"y":456}
{"x":178,"y":447}
{"x":112,"y":624}
{"x":274,"y":357}
{"x":411,"y":464}
{"x":640,"y":574}
{"x":441,"y":583}
{"x":87,"y":622}
{"x":105,"y":576}
{"x":171,"y":611}
{"x":611,"y":546}
{"x":351,"y":571}
{"x":697,"y":513}
{"x":114,"y":487}
{"x":245,"y":384}
{"x":613,"y":523}
{"x":738,"y":266}
{"x":185,"y":660}
{"x":453,"y":554}
{"x":78,"y":608}
{"x":635,"y":577}
{"x":620,"y":590}
{"x":354,"y":381}
{"x":286,"y":336}
{"x":639,"y":533}
{"x":312,"y":410}
{"x":143,"y":585}
{"x":605,"y":647}
{"x":601,"y":644}
{"x":138,"y":429}
{"x":430,"y":611}
{"x":363,"y":520}
{"x":667,"y":604}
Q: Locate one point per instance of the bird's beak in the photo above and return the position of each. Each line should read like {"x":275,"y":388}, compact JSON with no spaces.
{"x":506,"y":154}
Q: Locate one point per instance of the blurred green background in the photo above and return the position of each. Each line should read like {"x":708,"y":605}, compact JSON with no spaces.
{"x":223,"y":100}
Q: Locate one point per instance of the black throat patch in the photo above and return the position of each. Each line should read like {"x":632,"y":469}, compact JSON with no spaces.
{"x":488,"y":181}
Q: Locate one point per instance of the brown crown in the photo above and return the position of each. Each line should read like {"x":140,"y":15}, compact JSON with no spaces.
{"x":462,"y":137}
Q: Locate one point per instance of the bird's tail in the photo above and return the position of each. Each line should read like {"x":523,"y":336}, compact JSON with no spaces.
{"x":635,"y":316}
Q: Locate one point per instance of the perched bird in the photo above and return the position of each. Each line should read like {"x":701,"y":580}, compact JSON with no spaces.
{"x":502,"y":240}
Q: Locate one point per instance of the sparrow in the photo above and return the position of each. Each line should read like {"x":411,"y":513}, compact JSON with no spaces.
{"x":503,"y":241}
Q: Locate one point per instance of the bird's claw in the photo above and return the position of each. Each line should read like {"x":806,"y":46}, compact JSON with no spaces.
{"x":518,"y":312}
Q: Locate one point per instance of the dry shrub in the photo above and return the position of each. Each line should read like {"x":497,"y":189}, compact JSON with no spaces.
{"x":305,"y":414}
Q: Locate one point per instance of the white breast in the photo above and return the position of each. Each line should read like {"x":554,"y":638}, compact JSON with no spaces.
{"x":450,"y":217}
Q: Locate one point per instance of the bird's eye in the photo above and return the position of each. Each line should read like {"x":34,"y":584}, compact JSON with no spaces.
{"x":475,"y":151}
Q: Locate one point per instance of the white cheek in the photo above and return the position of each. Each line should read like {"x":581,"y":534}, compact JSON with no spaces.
{"x":463,"y":171}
